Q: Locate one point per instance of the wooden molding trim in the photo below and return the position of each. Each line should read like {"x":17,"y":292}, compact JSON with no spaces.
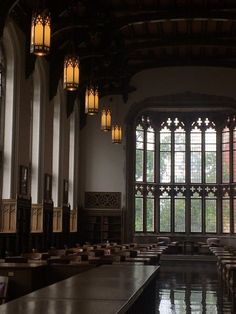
{"x":109,"y":200}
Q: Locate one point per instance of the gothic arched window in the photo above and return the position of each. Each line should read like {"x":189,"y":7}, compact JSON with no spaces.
{"x":184,"y":165}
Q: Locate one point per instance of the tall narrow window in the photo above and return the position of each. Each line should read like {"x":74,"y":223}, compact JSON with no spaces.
{"x":165,"y":212}
{"x":150,"y":155}
{"x":179,"y":157}
{"x":210,"y":212}
{"x":234,"y":213}
{"x":210,"y":155}
{"x":196,"y":213}
{"x":226,"y":213}
{"x":1,"y":106}
{"x":11,"y":99}
{"x":37,"y":132}
{"x":234,"y":155}
{"x":179,"y":209}
{"x":150,"y":224}
{"x":145,"y":175}
{"x":138,"y":211}
{"x":165,"y":155}
{"x":56,"y":175}
{"x":225,"y":155}
{"x":72,"y":151}
{"x":139,"y":152}
{"x":196,"y":155}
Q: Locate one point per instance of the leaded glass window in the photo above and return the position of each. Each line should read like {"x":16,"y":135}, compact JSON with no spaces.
{"x":165,"y":155}
{"x":226,"y":213}
{"x":210,"y":155}
{"x":225,"y":155}
{"x":196,"y":212}
{"x":138,"y":211}
{"x":150,"y":154}
{"x":179,"y":155}
{"x":210,"y":211}
{"x":234,"y":213}
{"x":150,"y":207}
{"x":196,"y":155}
{"x":180,"y":186}
{"x":139,"y":153}
{"x":234,"y":154}
{"x":165,"y":212}
{"x":179,"y":209}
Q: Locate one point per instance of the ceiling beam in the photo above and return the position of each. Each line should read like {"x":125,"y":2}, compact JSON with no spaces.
{"x":181,"y":61}
{"x":164,"y":15}
{"x":198,"y":40}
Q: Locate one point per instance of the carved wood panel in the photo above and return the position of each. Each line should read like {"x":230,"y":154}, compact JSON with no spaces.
{"x":37,"y":218}
{"x":57,"y":219}
{"x":8,"y":216}
{"x":109,"y":200}
{"x":73,"y":220}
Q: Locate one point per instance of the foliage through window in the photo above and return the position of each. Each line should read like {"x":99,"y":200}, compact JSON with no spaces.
{"x":183,"y":167}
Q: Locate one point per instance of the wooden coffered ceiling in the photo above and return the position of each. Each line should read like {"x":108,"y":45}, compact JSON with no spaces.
{"x":117,"y":38}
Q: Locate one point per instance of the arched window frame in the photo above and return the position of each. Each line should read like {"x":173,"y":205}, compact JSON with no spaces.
{"x":2,"y":109}
{"x":57,"y":160}
{"x":207,"y":191}
{"x":144,"y":199}
{"x":13,"y":50}
{"x":38,"y":130}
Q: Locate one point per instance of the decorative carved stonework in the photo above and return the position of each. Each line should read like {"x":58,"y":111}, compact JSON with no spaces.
{"x":109,"y":200}
{"x":37,"y":218}
{"x":8,"y":216}
{"x":57,"y":219}
{"x":73,"y":220}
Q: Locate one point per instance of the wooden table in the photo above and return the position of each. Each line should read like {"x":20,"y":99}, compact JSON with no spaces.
{"x":23,"y":277}
{"x":107,"y":289}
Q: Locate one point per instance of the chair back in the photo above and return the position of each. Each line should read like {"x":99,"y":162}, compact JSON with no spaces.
{"x":32,"y":256}
{"x":16,"y":259}
{"x":3,"y":289}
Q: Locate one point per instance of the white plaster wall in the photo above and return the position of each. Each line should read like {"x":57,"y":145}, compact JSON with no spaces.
{"x":48,"y":137}
{"x":102,"y":164}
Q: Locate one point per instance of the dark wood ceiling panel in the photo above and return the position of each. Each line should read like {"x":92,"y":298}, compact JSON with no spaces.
{"x":123,"y":37}
{"x":226,"y":26}
{"x":197,"y":26}
{"x":167,"y":27}
{"x":211,"y":26}
{"x":182,"y":27}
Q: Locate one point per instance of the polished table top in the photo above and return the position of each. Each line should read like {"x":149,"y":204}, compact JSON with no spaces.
{"x":107,"y":289}
{"x":28,"y":265}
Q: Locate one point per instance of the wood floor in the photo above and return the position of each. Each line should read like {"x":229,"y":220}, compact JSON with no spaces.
{"x":190,"y":287}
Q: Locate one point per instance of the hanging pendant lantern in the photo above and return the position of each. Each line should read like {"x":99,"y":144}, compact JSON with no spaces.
{"x":116,"y":134}
{"x":40,"y":33}
{"x":71,"y":73}
{"x":91,"y":99}
{"x":106,"y":120}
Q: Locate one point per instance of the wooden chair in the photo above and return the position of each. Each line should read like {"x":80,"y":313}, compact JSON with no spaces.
{"x":32,"y":256}
{"x":3,"y":289}
{"x":16,"y":259}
